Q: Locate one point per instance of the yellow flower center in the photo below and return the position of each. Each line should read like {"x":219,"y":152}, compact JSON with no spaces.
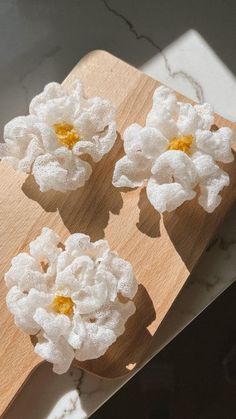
{"x":63,"y":305}
{"x":66,"y":134}
{"x":182,"y":143}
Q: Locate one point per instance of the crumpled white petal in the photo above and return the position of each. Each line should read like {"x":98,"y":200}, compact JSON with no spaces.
{"x":131,"y":173}
{"x":206,"y":115}
{"x":23,"y":305}
{"x":70,"y":299}
{"x":102,"y":332}
{"x":60,"y":171}
{"x":61,"y":127}
{"x":211,"y":181}
{"x":164,"y":154}
{"x":94,"y":117}
{"x":172,"y":182}
{"x":25,"y":139}
{"x":143,"y":142}
{"x":97,"y":145}
{"x":162,"y":116}
{"x":217,"y":144}
{"x":59,"y":353}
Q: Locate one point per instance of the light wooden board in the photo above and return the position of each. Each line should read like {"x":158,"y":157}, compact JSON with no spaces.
{"x":162,"y":251}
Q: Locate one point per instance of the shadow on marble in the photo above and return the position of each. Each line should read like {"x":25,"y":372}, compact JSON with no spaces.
{"x":188,"y":379}
{"x":38,"y":404}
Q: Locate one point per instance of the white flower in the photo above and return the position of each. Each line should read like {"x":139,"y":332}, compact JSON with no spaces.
{"x":70,"y":299}
{"x":174,"y":153}
{"x":60,"y":128}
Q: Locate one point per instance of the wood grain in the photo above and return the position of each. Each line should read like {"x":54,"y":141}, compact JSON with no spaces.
{"x":162,"y":250}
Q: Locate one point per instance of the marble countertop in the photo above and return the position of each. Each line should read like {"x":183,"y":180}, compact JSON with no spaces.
{"x":190,"y":48}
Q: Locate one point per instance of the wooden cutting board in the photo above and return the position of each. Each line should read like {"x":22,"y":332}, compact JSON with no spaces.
{"x":162,"y":250}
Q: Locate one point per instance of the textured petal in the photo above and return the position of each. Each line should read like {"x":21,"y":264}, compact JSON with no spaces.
{"x":168,"y":196}
{"x":25,"y":139}
{"x":218,"y":144}
{"x":61,"y":171}
{"x":51,"y":91}
{"x":123,"y":272}
{"x":130,"y":173}
{"x":23,"y":307}
{"x":54,"y":325}
{"x":107,"y":324}
{"x":176,"y":166}
{"x":206,"y":115}
{"x":77,"y":91}
{"x":115,"y":316}
{"x":78,"y":332}
{"x":79,"y":244}
{"x":173,"y":180}
{"x":57,"y":110}
{"x":91,"y":297}
{"x":164,"y":97}
{"x":60,"y":354}
{"x":25,"y":273}
{"x":74,"y":276}
{"x":163,"y":113}
{"x":98,"y":145}
{"x":96,"y":342}
{"x":148,"y":142}
{"x":188,"y":119}
{"x":164,"y":121}
{"x":45,"y":249}
{"x":93,"y":118}
{"x":212,"y":181}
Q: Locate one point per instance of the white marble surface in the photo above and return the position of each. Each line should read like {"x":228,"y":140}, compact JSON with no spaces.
{"x":190,"y":48}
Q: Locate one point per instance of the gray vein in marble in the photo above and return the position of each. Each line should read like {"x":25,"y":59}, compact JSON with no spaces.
{"x":79,"y":383}
{"x":173,"y":74}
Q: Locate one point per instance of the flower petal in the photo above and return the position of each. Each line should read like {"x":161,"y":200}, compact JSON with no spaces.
{"x":148,"y":142}
{"x":51,"y":91}
{"x":60,"y":171}
{"x":176,"y":166}
{"x":93,"y":118}
{"x":96,"y":342}
{"x":79,"y":244}
{"x":163,"y":113}
{"x":123,"y":273}
{"x":188,"y":119}
{"x":25,"y":272}
{"x":98,"y":145}
{"x":211,"y":181}
{"x":74,"y":277}
{"x":23,"y":307}
{"x":25,"y":139}
{"x":168,"y":196}
{"x":173,"y":180}
{"x":45,"y":248}
{"x":218,"y":144}
{"x":164,"y":97}
{"x":60,"y":354}
{"x":91,"y":297}
{"x":206,"y":115}
{"x":53,"y":325}
{"x":130,"y":173}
